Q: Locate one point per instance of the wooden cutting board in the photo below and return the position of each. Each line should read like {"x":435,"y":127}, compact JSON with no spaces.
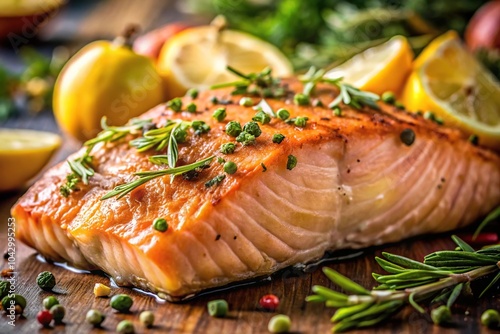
{"x":75,"y":290}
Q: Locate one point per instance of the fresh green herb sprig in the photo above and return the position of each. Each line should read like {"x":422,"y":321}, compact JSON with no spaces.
{"x":81,"y":171}
{"x":260,"y":84}
{"x":124,"y":189}
{"x":81,"y":168}
{"x":349,"y":95}
{"x":114,"y":133}
{"x":168,"y":136}
{"x":441,"y":277}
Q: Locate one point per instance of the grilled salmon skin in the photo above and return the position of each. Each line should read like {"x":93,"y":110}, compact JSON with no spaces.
{"x":356,"y":183}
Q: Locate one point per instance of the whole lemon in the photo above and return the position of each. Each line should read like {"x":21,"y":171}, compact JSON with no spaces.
{"x":104,"y":79}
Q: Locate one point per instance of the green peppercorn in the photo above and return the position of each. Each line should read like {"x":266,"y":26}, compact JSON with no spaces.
{"x":4,"y":288}
{"x":191,"y":107}
{"x":192,"y":93}
{"x":301,"y":121}
{"x":337,"y":111}
{"x":121,"y":302}
{"x":279,"y":324}
{"x":214,"y":100}
{"x":262,"y":117}
{"x":291,"y":162}
{"x":278,"y":138}
{"x":474,"y":139}
{"x":219,"y":114}
{"x":228,"y":148}
{"x":246,"y":102}
{"x":18,"y":300}
{"x":388,"y":97}
{"x":160,"y":224}
{"x":95,"y":317}
{"x":147,"y":319}
{"x":245,"y":138}
{"x":230,"y":167}
{"x":46,"y":280}
{"x":49,"y":302}
{"x":233,"y":128}
{"x":200,"y":127}
{"x":217,"y":308}
{"x":407,"y":136}
{"x":175,"y":104}
{"x":58,"y":312}
{"x":125,"y":327}
{"x":252,"y":128}
{"x":301,"y":99}
{"x":441,"y":315}
{"x":490,"y":318}
{"x":399,"y":105}
{"x":283,"y":114}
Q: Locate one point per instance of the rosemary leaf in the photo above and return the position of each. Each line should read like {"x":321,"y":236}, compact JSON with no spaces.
{"x":406,"y":262}
{"x":146,"y":176}
{"x":389,"y":266}
{"x":349,"y":311}
{"x":411,"y":300}
{"x":344,"y":282}
{"x":328,"y":293}
{"x":462,"y":244}
{"x":454,"y":294}
{"x":492,"y":216}
{"x":315,"y":299}
{"x":172,"y":150}
{"x":336,"y":303}
{"x":492,"y":283}
{"x":441,"y":297}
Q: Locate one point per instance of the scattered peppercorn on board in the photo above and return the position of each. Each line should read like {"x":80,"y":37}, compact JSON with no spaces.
{"x":75,"y":292}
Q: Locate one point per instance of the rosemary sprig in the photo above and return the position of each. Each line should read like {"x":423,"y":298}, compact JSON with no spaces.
{"x":114,"y":133}
{"x":260,"y":84}
{"x":81,"y":168}
{"x":440,"y":278}
{"x":168,"y":137}
{"x":146,"y":176}
{"x":349,"y":94}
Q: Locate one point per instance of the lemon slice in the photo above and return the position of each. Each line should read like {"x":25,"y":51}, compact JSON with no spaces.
{"x":198,"y":57}
{"x":378,"y":69}
{"x":23,"y":153}
{"x":449,"y":81}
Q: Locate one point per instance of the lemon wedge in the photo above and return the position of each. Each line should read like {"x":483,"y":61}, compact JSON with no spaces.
{"x":378,"y":69}
{"x":198,"y":57}
{"x":450,"y":82}
{"x":23,"y":153}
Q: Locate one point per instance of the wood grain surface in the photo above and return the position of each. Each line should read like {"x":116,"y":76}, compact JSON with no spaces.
{"x":74,"y":290}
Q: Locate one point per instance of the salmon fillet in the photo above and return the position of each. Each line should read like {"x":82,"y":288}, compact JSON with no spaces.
{"x":356,"y":184}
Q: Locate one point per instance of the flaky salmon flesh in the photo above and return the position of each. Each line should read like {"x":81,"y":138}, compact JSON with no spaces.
{"x":355,"y":184}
